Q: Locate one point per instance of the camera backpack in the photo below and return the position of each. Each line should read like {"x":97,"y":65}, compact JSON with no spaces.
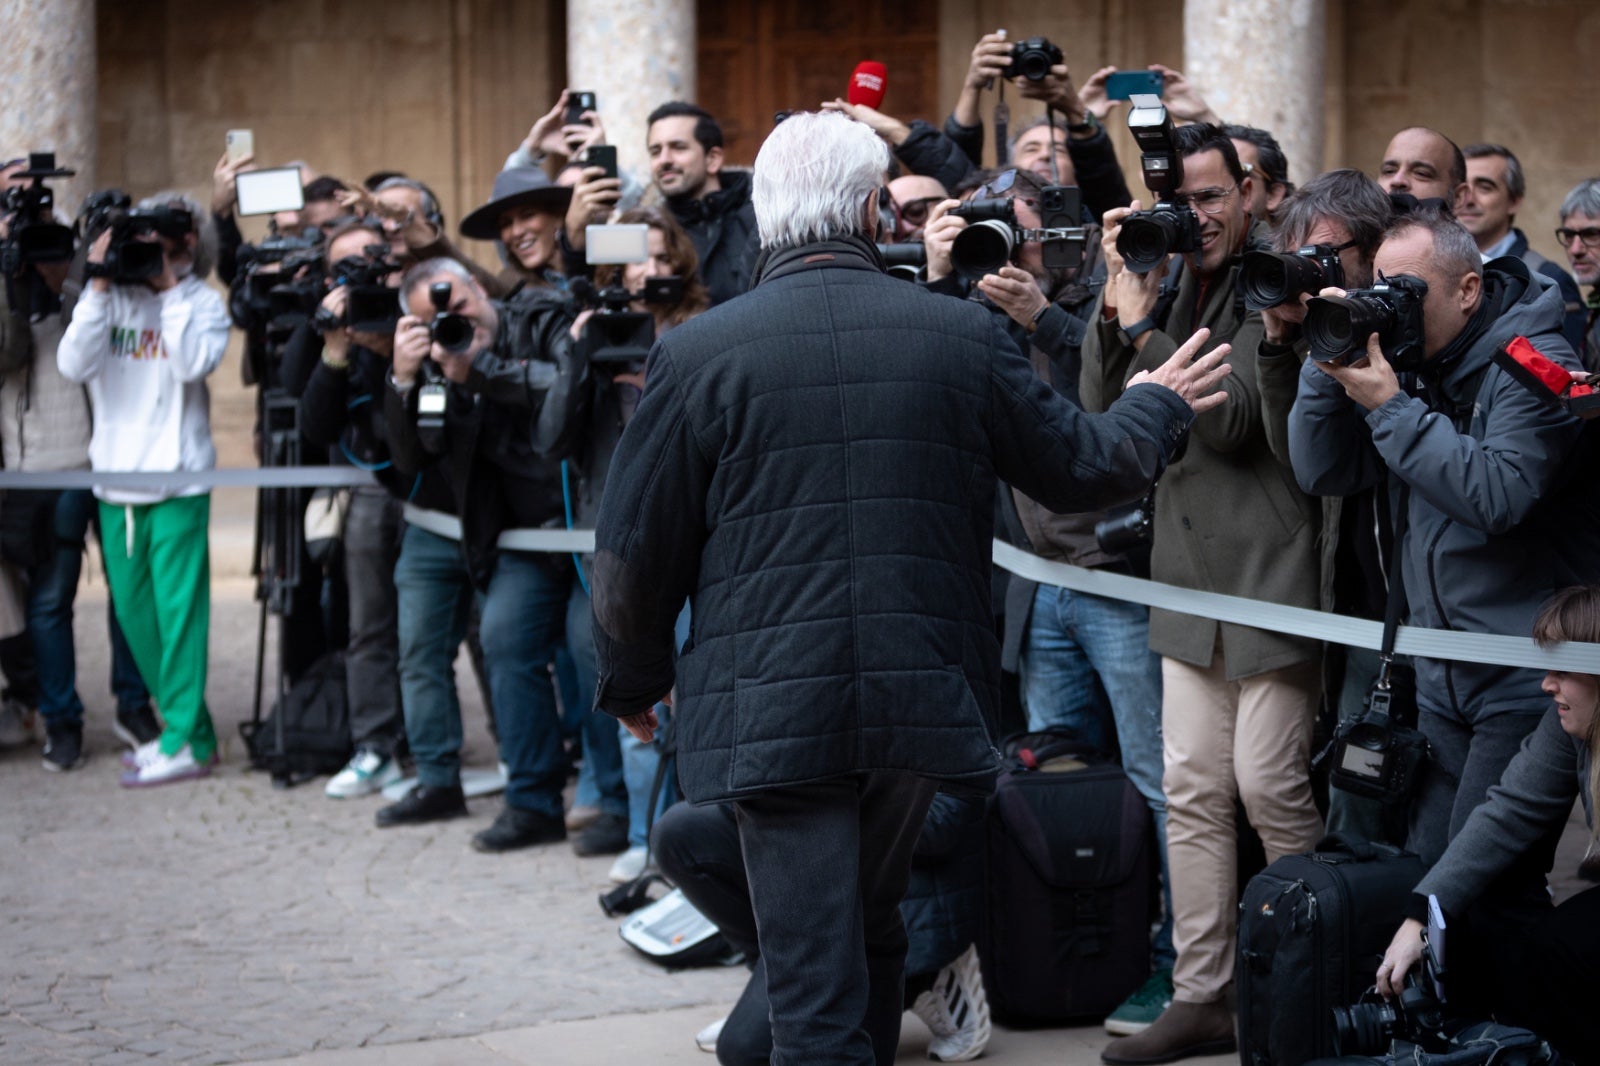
{"x":1068,"y":884}
{"x":315,"y":716}
{"x":1312,"y":930}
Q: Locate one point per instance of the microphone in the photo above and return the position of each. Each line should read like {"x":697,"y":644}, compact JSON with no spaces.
{"x":868,"y":84}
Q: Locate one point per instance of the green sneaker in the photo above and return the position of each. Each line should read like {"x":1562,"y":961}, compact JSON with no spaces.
{"x":1143,"y":1007}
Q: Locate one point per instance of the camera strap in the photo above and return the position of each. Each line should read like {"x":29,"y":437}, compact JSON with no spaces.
{"x":1396,"y":603}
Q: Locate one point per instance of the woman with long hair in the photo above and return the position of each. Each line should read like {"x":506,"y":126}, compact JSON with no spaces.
{"x":1538,"y":969}
{"x":672,"y":254}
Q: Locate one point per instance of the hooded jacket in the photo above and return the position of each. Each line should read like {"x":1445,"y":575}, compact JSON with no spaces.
{"x":816,"y":464}
{"x":145,"y":356}
{"x":722,"y":226}
{"x":1496,"y":520}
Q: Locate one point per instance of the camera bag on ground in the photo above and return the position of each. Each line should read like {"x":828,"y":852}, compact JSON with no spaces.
{"x":1478,"y":1044}
{"x":1312,"y":930}
{"x":1068,"y":884}
{"x":316,"y":726}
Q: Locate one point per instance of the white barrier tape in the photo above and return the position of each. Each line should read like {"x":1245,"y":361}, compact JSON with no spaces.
{"x":448,"y":526}
{"x":1301,"y":621}
{"x":271,"y":477}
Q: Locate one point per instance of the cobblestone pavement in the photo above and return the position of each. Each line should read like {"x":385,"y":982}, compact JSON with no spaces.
{"x":226,"y":921}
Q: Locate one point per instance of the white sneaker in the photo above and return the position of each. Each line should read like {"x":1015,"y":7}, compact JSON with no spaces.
{"x":166,"y":769}
{"x":366,"y":772}
{"x":142,"y":754}
{"x":706,"y":1039}
{"x":629,"y":865}
{"x":956,"y":1011}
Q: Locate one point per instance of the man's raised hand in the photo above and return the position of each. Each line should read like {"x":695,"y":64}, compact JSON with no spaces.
{"x":1195,"y":381}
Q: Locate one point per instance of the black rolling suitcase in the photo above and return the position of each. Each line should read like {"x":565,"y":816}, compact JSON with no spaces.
{"x":1066,"y":929}
{"x":1312,"y":930}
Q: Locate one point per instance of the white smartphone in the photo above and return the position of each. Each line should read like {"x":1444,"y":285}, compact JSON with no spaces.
{"x":240,"y":143}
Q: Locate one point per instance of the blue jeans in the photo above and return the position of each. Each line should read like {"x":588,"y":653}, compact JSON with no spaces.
{"x":1076,"y":646}
{"x":52,"y":588}
{"x":434,"y":599}
{"x":521,"y":621}
{"x":600,"y":778}
{"x":641,"y":761}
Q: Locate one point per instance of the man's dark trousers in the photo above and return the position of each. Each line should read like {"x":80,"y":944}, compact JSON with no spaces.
{"x":828,"y":865}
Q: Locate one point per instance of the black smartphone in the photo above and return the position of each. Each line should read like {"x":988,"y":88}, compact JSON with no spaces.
{"x":577,"y":104}
{"x":601,"y":155}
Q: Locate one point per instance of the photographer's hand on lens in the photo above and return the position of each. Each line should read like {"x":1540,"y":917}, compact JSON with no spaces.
{"x":545,"y":136}
{"x":1405,"y":951}
{"x":1093,"y":94}
{"x":1016,"y":292}
{"x":411,"y":345}
{"x":1183,"y":101}
{"x":1195,"y":382}
{"x":1369,"y":382}
{"x":888,"y":127}
{"x":455,"y":366}
{"x":224,"y":181}
{"x":1281,"y":324}
{"x":938,"y":236}
{"x":578,"y":323}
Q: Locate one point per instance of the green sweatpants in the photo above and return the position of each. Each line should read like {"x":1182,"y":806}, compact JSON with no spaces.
{"x":158,"y":562}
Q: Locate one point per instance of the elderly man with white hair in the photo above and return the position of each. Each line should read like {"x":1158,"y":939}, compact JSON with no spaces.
{"x":815,"y":463}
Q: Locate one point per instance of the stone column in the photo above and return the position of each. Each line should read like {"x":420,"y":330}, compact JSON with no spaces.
{"x":48,"y":85}
{"x":1260,"y":63}
{"x":633,"y":55}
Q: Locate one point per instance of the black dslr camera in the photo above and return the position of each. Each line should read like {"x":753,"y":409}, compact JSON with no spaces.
{"x":903,"y":261}
{"x":1271,"y":279}
{"x":1338,"y":326}
{"x":992,"y":235}
{"x":1379,"y":754}
{"x":131,"y":257}
{"x":1148,"y":237}
{"x":35,"y":235}
{"x":450,"y":331}
{"x":370,"y":305}
{"x":616,"y":336}
{"x":1132,"y":529}
{"x":1417,"y":1016}
{"x":1032,"y":59}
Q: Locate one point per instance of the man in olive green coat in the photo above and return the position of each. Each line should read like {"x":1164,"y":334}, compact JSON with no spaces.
{"x":1238,"y":703}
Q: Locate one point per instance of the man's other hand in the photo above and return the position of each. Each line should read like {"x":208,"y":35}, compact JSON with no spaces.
{"x":411,"y":344}
{"x":939,"y":235}
{"x":1194,"y":381}
{"x":1015,"y":292}
{"x":1369,"y":382}
{"x":642,"y":725}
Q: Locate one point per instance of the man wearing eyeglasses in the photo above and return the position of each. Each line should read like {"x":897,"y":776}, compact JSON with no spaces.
{"x":1238,"y":703}
{"x":912,"y":198}
{"x":1580,"y":238}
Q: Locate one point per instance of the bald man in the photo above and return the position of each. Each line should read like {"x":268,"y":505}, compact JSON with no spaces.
{"x":1426,"y":164}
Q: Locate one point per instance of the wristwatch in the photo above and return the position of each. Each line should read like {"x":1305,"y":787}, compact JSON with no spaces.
{"x":1128,"y":334}
{"x":1086,"y":126}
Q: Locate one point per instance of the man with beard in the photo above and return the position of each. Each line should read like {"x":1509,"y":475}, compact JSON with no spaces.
{"x":1580,"y":238}
{"x":711,"y":203}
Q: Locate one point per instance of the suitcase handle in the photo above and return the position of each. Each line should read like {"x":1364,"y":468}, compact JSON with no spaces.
{"x":1362,"y":850}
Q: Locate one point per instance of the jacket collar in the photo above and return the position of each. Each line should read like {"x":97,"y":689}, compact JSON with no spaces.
{"x":847,"y":253}
{"x":733,"y":194}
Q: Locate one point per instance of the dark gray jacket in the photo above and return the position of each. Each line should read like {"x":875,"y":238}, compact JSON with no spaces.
{"x":722,"y":227}
{"x":1481,"y":553}
{"x":1573,"y":324}
{"x":816,"y":464}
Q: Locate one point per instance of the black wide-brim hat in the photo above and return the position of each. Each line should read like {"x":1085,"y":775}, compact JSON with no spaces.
{"x":514,"y":187}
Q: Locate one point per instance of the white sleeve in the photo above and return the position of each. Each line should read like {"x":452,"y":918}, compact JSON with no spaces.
{"x":86,"y":344}
{"x":194,"y":330}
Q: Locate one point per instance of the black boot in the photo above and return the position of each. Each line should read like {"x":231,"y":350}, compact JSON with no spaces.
{"x":423,"y":804}
{"x":517,"y":828}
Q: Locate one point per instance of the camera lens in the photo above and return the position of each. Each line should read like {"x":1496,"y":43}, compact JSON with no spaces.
{"x":1271,"y":279}
{"x":1146,"y":239}
{"x":453,"y":333}
{"x":982,"y":248}
{"x":1338,"y":326}
{"x":1034,"y":65}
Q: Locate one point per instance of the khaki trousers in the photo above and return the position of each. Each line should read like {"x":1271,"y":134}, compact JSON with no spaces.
{"x":1223,"y":739}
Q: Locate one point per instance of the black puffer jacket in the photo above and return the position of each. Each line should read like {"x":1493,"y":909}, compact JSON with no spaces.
{"x":722,"y":226}
{"x":514,"y":409}
{"x":816,"y":464}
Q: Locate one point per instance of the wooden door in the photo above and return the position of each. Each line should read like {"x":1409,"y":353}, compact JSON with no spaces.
{"x":757,"y":57}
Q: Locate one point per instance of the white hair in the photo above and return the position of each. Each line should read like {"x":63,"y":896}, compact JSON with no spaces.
{"x":813,"y":176}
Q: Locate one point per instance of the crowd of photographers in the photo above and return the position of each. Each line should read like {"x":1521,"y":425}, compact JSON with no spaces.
{"x":1385,"y":449}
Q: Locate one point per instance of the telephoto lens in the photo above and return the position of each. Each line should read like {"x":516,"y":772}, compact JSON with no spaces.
{"x":982,"y":248}
{"x":1271,"y":279}
{"x":1338,"y":326}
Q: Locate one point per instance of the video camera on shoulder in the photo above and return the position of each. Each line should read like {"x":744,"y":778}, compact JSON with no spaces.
{"x":615,"y":335}
{"x":1148,"y":237}
{"x":35,"y":235}
{"x":371,"y":306}
{"x":279,"y":283}
{"x":1272,"y":279}
{"x":132,"y":257}
{"x":1338,"y":326}
{"x":992,"y":237}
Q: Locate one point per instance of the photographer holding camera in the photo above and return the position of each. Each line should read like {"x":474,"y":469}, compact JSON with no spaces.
{"x":1065,"y":644}
{"x":1534,"y":971}
{"x":144,"y":336}
{"x":1238,"y":703}
{"x":45,"y":425}
{"x":485,"y":389}
{"x":1479,"y":469}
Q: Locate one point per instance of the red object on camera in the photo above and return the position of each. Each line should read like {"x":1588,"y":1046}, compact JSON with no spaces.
{"x":868,"y":84}
{"x":1526,"y":364}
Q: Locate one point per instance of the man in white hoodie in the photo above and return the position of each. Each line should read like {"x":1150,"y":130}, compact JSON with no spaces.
{"x":144,"y":348}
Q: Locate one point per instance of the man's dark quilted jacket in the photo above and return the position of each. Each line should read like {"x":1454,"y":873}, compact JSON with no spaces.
{"x":816,"y":462}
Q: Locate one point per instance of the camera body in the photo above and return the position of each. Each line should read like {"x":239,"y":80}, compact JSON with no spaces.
{"x":1379,"y":755}
{"x":131,"y":258}
{"x":1129,"y":530}
{"x":1032,"y":59}
{"x":1338,"y":326}
{"x":279,"y":283}
{"x":370,"y":305}
{"x":993,"y":235}
{"x":35,"y":235}
{"x":1417,"y":1015}
{"x":1148,"y":237}
{"x":450,"y":331}
{"x":1271,"y":279}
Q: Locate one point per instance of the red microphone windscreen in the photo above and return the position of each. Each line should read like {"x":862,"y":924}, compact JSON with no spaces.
{"x":868,"y":84}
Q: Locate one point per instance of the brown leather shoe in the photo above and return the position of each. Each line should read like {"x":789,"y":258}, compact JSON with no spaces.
{"x":1183,"y":1030}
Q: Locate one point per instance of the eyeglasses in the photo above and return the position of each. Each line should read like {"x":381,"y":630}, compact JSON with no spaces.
{"x":1206,"y":201}
{"x":1589,"y":235}
{"x":915,"y":212}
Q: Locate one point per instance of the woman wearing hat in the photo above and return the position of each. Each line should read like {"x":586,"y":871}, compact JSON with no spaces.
{"x":524,"y":215}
